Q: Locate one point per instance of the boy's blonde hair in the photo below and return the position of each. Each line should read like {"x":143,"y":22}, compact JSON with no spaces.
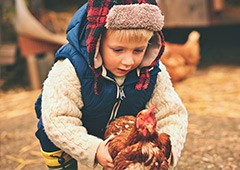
{"x":130,"y":35}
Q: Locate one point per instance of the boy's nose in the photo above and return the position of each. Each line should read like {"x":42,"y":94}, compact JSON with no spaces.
{"x":128,"y":60}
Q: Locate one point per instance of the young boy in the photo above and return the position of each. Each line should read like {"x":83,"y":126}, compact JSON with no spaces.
{"x":109,"y":68}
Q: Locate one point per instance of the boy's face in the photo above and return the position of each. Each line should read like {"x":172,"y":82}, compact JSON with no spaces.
{"x":121,"y":57}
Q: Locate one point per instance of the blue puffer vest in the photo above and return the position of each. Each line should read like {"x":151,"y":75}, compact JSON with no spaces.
{"x":113,"y":100}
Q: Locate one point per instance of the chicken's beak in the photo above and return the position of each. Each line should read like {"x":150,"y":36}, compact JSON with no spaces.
{"x":150,"y":129}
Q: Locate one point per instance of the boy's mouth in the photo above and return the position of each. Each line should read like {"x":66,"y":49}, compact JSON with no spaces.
{"x":122,"y":71}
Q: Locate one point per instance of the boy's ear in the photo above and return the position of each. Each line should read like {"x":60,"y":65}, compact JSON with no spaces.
{"x":152,"y":51}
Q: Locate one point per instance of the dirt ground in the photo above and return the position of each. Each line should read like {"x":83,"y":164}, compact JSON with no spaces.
{"x":212,"y":98}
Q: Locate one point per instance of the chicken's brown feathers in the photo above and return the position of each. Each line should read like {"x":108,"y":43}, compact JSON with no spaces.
{"x":127,"y":157}
{"x":166,"y":144}
{"x":123,"y":123}
{"x":136,"y":143}
{"x":181,"y":60}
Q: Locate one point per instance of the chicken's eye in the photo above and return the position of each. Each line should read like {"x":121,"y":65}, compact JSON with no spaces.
{"x":140,"y":121}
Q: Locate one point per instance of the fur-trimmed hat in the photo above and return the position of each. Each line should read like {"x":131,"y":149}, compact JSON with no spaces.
{"x":122,"y":14}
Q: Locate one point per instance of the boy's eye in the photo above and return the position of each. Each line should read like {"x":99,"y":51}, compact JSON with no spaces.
{"x":117,"y":50}
{"x":138,"y":50}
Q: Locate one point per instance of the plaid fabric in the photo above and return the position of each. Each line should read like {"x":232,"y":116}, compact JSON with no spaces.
{"x":97,"y":72}
{"x":97,"y":13}
{"x":144,"y":78}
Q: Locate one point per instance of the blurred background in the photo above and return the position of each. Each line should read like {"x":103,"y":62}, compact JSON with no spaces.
{"x":202,"y":56}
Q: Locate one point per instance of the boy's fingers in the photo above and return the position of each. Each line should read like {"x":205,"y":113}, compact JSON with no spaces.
{"x":109,"y":138}
{"x":109,"y":159}
{"x":109,"y":166}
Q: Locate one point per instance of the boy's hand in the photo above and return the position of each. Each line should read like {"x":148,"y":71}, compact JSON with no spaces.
{"x":103,"y":157}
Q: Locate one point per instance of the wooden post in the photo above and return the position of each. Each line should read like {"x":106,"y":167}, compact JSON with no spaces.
{"x":29,"y":48}
{"x":33,"y":71}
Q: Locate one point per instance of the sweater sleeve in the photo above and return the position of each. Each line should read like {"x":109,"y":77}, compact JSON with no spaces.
{"x":61,"y":114}
{"x":171,"y":114}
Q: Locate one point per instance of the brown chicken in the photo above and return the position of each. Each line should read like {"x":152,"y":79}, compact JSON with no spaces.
{"x":181,"y":60}
{"x":136,"y":143}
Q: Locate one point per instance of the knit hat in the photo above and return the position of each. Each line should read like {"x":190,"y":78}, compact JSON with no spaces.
{"x":122,"y":14}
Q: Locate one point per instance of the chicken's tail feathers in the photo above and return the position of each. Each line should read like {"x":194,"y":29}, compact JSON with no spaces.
{"x":166,"y":144}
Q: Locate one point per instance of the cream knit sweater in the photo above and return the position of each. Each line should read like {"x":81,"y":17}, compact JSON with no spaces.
{"x":61,"y":114}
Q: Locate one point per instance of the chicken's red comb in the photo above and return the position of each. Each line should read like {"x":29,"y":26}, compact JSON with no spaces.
{"x":151,"y":110}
